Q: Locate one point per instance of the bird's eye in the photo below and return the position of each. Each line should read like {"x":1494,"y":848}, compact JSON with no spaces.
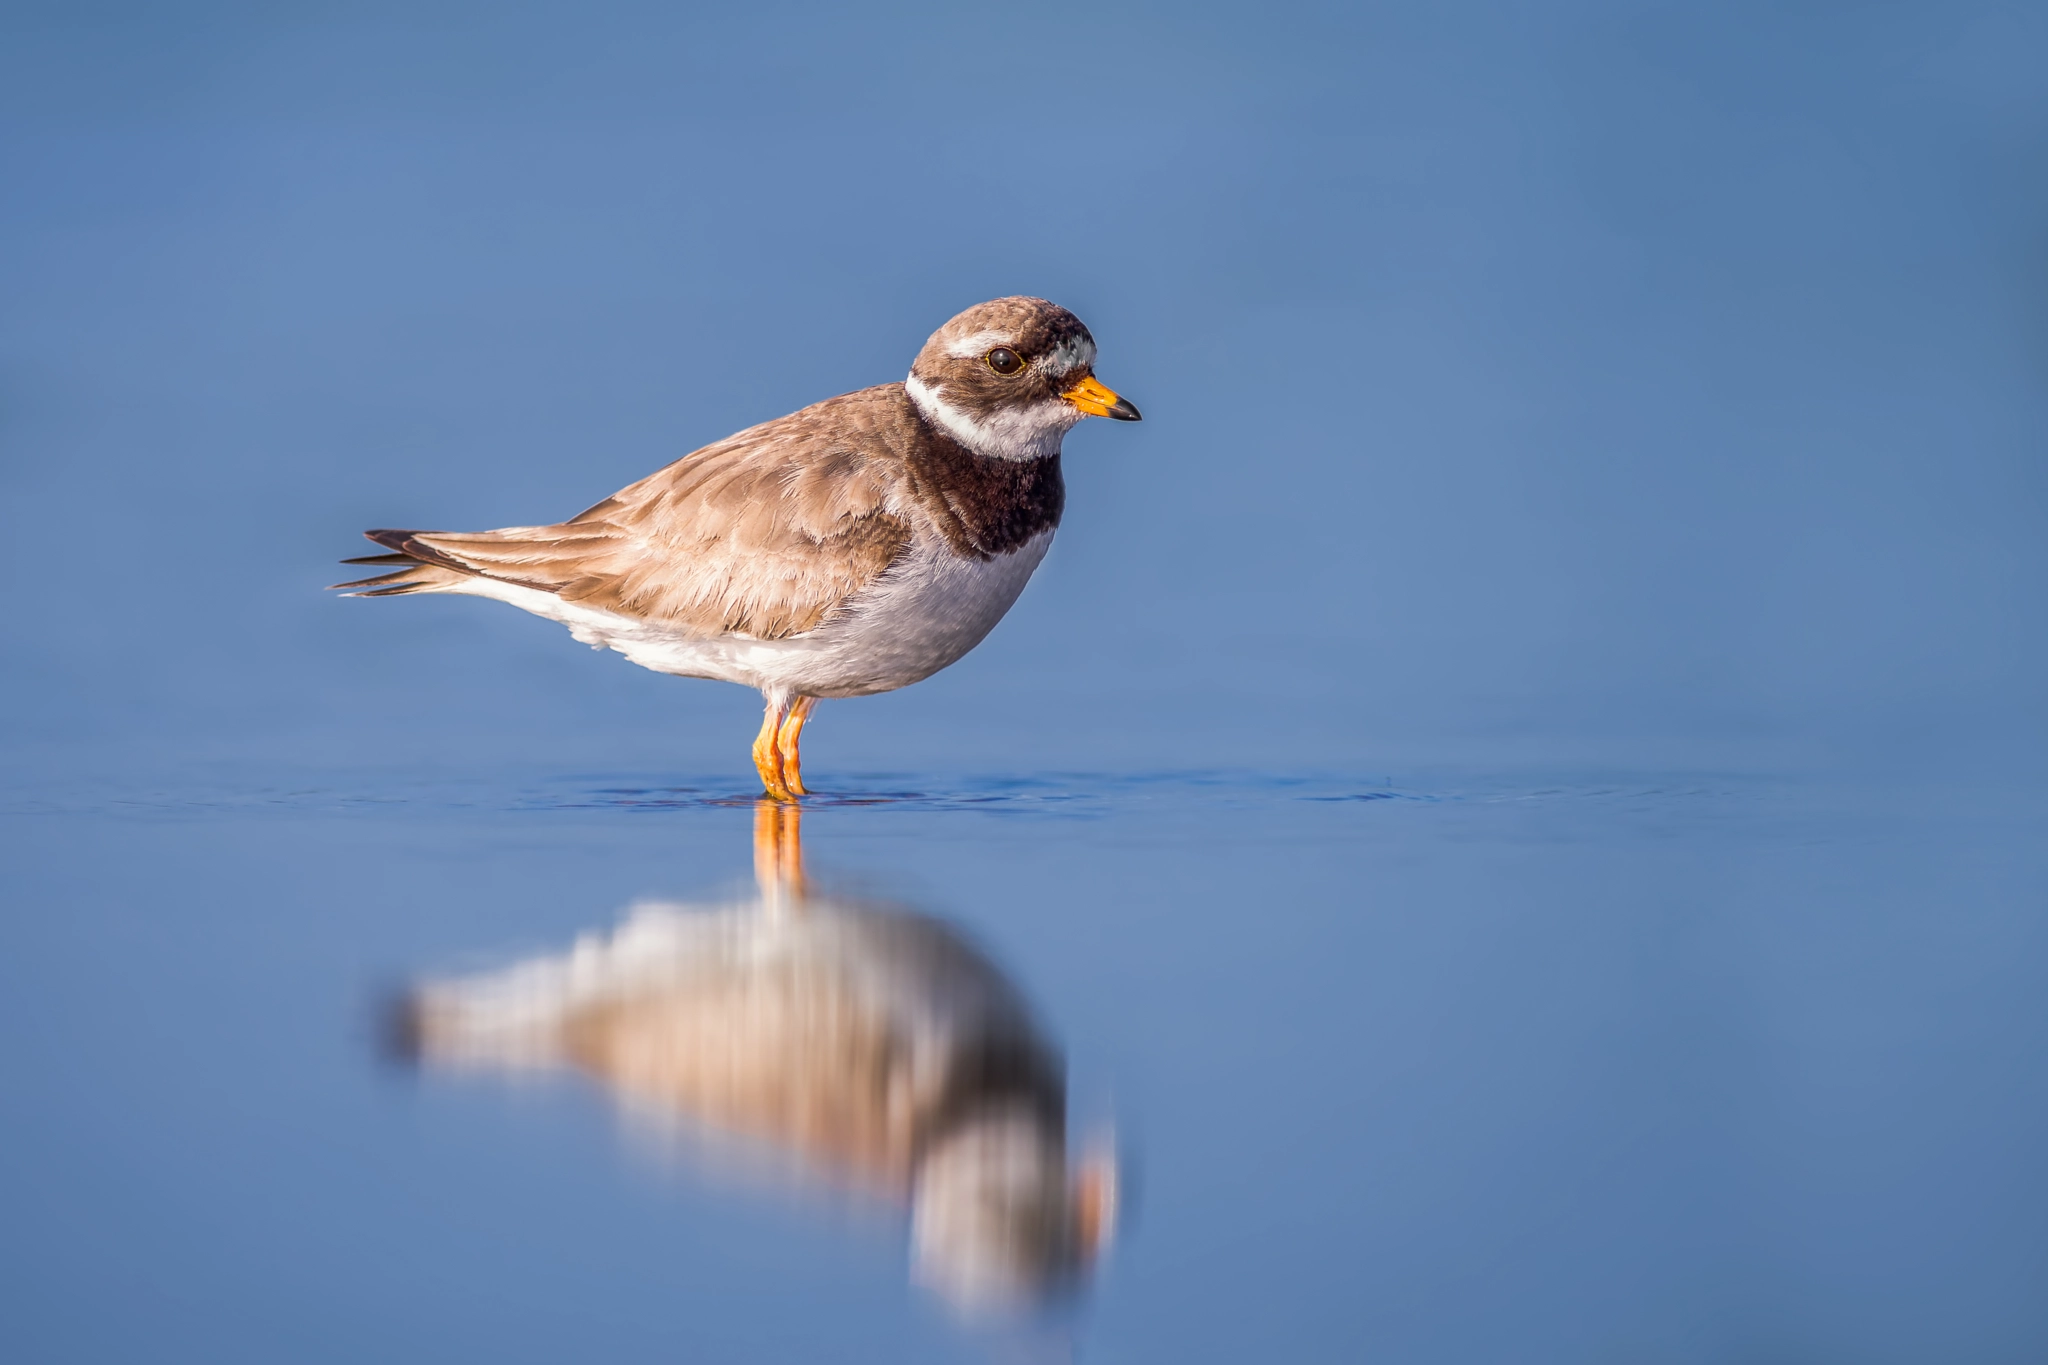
{"x":1003,"y":360}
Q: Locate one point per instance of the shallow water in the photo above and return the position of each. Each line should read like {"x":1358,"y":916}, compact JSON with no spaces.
{"x":1532,"y":1066}
{"x":1480,"y":795}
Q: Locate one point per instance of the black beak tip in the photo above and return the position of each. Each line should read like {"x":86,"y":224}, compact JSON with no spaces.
{"x":1124,"y":412}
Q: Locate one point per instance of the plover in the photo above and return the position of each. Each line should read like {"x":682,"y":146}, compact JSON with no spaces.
{"x":853,"y":547}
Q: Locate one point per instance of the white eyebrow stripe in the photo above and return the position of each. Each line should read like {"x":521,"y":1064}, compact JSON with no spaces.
{"x":1075,"y":353}
{"x":978,"y":345}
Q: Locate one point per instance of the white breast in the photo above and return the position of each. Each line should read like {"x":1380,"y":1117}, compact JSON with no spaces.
{"x":922,"y":615}
{"x":926,"y":612}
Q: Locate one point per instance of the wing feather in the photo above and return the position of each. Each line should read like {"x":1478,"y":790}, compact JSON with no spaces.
{"x":763,"y":534}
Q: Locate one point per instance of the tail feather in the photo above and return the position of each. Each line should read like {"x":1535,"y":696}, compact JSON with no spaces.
{"x":411,"y":545}
{"x":425,"y":566}
{"x":422,"y":568}
{"x":407,"y":544}
{"x":412,"y":579}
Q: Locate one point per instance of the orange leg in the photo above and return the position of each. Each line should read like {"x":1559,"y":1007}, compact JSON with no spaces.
{"x":776,"y":754}
{"x":790,"y":741}
{"x":767,"y":755}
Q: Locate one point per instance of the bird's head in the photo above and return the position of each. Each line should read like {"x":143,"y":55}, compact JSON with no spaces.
{"x":1001,"y":1220}
{"x":1009,"y":378}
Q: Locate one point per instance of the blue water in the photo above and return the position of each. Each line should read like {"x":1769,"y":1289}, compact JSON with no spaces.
{"x":1518,"y":794}
{"x":1524,"y":1066}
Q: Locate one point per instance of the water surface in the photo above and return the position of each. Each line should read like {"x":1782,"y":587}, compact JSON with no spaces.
{"x":1532,"y":1066}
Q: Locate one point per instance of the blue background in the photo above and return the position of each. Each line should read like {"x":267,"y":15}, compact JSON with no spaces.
{"x":1629,"y":372}
{"x":1608,"y":436}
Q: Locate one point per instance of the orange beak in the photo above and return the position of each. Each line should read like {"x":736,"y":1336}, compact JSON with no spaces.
{"x":1097,"y":399}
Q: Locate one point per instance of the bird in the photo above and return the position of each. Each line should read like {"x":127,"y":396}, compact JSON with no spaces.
{"x":849,"y":548}
{"x":853,"y":1043}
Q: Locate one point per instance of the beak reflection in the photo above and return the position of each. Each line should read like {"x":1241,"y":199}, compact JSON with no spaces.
{"x":862,"y":1043}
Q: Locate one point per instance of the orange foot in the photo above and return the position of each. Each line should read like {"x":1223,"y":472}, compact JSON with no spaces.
{"x":777,"y":749}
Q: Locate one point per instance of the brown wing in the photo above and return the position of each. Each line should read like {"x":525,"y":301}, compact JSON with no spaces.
{"x":791,"y":1056}
{"x":762,"y":534}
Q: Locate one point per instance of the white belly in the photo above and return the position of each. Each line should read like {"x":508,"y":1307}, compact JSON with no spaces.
{"x":926,"y":612}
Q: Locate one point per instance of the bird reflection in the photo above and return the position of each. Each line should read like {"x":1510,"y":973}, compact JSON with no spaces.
{"x":871,"y":1044}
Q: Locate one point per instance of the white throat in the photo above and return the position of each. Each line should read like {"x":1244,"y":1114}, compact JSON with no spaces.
{"x":1029,"y":433}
